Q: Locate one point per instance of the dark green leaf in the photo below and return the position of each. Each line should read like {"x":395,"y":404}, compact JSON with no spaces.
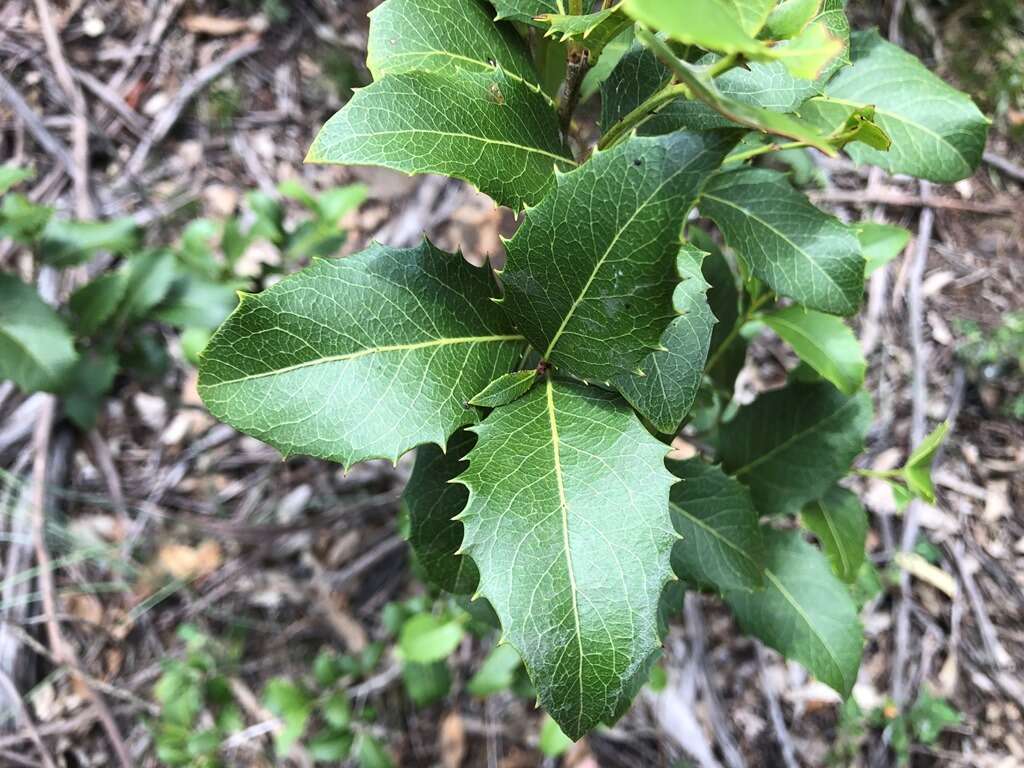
{"x":425,"y":638}
{"x":497,"y":673}
{"x":937,"y":132}
{"x":87,"y":385}
{"x":67,"y":243}
{"x":839,"y":522}
{"x":362,"y":357}
{"x":96,"y":302}
{"x":198,"y":302}
{"x":804,"y":611}
{"x":798,"y":250}
{"x":36,"y":348}
{"x":496,"y":132}
{"x":591,"y":286}
{"x":432,"y":502}
{"x":568,"y":523}
{"x":791,"y":445}
{"x":426,"y":683}
{"x":525,"y":11}
{"x":666,"y":392}
{"x":824,"y":342}
{"x":505,"y":389}
{"x":723,"y":298}
{"x":328,"y":747}
{"x":721,"y":546}
{"x":149,"y":277}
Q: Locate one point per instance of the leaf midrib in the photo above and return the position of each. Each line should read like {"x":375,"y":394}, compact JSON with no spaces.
{"x":713,"y":532}
{"x":788,"y":597}
{"x":484,"y":66}
{"x":370,"y":351}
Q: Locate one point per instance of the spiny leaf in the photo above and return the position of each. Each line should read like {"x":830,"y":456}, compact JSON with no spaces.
{"x":724,"y":299}
{"x":362,"y":357}
{"x":798,"y":250}
{"x":729,"y":26}
{"x":721,"y":546}
{"x":36,"y":348}
{"x":839,"y":522}
{"x":937,"y":132}
{"x":432,"y":501}
{"x":525,"y":11}
{"x":593,"y":30}
{"x":804,"y":611}
{"x":824,"y":342}
{"x":666,"y":392}
{"x":505,"y":389}
{"x":568,"y":523}
{"x":591,"y":272}
{"x":791,"y":445}
{"x":496,"y":132}
{"x":441,"y":36}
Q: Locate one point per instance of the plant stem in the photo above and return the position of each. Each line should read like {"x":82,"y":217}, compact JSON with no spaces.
{"x":575,"y":7}
{"x":569,"y":95}
{"x":723,"y":65}
{"x":727,"y":342}
{"x":889,"y":474}
{"x":641,"y":113}
{"x":739,"y":157}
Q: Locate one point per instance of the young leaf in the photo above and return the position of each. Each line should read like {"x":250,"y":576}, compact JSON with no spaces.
{"x":432,"y":501}
{"x":810,"y":53}
{"x":293,"y":705}
{"x":67,"y":243}
{"x":505,"y":389}
{"x":337,"y":711}
{"x":798,"y":250}
{"x":804,"y":611}
{"x":362,"y":357}
{"x":497,"y":673}
{"x":791,"y":445}
{"x":95,"y":303}
{"x":824,"y":342}
{"x":666,"y":392}
{"x":441,"y":36}
{"x":11,"y":176}
{"x":425,"y":639}
{"x":841,"y":525}
{"x":426,"y":683}
{"x":937,"y":132}
{"x":728,"y":26}
{"x":918,"y":470}
{"x":525,"y":11}
{"x":553,"y":742}
{"x":790,"y":17}
{"x":881,"y":243}
{"x":568,"y":523}
{"x":491,"y":130}
{"x":591,"y":286}
{"x":36,"y":348}
{"x":593,"y":30}
{"x":330,"y":747}
{"x":721,"y":546}
{"x":148,"y":279}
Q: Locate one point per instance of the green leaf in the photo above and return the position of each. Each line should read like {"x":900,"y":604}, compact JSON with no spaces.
{"x":86,"y":385}
{"x":824,"y":342}
{"x":196,"y":301}
{"x":337,"y":711}
{"x":426,"y":683}
{"x":665,"y":394}
{"x":881,"y":243}
{"x":371,"y":754}
{"x":328,"y":747}
{"x":728,"y":26}
{"x":790,"y":17}
{"x":861,"y":127}
{"x":839,"y":522}
{"x":149,"y":277}
{"x":505,"y":389}
{"x":11,"y":176}
{"x":804,"y":611}
{"x":497,"y":673}
{"x":553,"y":742}
{"x":362,"y":357}
{"x":590,"y":286}
{"x":791,"y":445}
{"x":432,"y":501}
{"x":937,"y":132}
{"x":918,"y":470}
{"x":442,"y":36}
{"x":808,"y":55}
{"x":293,"y":705}
{"x":97,"y":301}
{"x":486,"y":128}
{"x":798,"y":250}
{"x":568,"y":523}
{"x":525,"y":11}
{"x":425,"y":638}
{"x":930,"y":716}
{"x":723,"y":298}
{"x":593,"y":31}
{"x":21,"y":219}
{"x":36,"y":348}
{"x":67,"y":243}
{"x":721,"y":546}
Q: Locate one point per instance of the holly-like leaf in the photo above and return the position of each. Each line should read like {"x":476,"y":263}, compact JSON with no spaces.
{"x":721,"y":546}
{"x":918,"y":470}
{"x":798,"y":250}
{"x":881,"y":243}
{"x":505,"y":389}
{"x":840,"y":523}
{"x":937,"y":132}
{"x":36,"y":348}
{"x":729,"y":26}
{"x":525,"y":11}
{"x":592,"y":30}
{"x":432,"y":501}
{"x":666,"y":391}
{"x":804,"y":611}
{"x":824,"y":342}
{"x":497,"y":133}
{"x":568,"y":523}
{"x":590,"y":283}
{"x":441,"y":36}
{"x":791,"y":445}
{"x":363,"y":357}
